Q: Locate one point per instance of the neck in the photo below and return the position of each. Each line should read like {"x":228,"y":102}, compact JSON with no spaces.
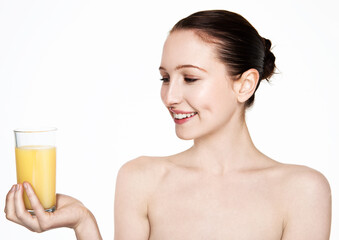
{"x":230,"y":148}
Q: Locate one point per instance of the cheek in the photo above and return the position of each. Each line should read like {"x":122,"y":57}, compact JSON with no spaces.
{"x":213,"y":98}
{"x":200,"y":95}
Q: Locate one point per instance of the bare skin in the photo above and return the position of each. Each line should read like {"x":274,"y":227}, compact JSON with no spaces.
{"x":168,"y":198}
{"x":222,"y":187}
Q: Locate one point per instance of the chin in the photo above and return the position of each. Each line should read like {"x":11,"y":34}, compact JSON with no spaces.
{"x":185,"y":135}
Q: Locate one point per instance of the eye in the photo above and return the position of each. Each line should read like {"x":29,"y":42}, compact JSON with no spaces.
{"x":190,"y":80}
{"x":165,"y":79}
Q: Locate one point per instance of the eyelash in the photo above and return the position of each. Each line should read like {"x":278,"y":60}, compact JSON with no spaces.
{"x":189,"y":80}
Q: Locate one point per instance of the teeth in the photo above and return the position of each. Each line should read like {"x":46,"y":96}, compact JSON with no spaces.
{"x":182,"y":115}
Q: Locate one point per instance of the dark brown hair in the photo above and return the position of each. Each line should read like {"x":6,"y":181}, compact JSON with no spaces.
{"x":238,"y":44}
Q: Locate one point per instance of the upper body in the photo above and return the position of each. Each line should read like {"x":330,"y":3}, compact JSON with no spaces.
{"x":223,"y":187}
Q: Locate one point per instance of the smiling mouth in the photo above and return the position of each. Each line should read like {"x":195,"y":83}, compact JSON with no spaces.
{"x":183,"y":115}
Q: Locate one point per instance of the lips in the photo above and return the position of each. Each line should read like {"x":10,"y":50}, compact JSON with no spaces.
{"x":182,"y":116}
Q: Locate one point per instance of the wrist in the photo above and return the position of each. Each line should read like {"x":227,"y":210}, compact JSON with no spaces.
{"x":87,"y":228}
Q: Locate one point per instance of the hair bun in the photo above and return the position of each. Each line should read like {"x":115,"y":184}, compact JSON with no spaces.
{"x":269,"y":60}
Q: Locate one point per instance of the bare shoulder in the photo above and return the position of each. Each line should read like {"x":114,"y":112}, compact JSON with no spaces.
{"x":306,"y":200}
{"x":298,"y":179}
{"x":144,"y":171}
{"x":145,"y":165}
{"x":302,"y":179}
{"x":135,"y":183}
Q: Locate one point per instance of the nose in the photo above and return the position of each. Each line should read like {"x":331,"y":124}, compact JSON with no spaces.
{"x":171,"y":93}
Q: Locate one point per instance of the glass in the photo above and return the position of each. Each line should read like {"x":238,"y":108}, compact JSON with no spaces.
{"x":35,"y":154}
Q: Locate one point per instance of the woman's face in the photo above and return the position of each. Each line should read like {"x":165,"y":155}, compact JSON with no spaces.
{"x":196,"y":88}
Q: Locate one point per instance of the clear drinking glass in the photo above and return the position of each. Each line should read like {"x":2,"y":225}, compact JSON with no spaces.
{"x":35,"y":154}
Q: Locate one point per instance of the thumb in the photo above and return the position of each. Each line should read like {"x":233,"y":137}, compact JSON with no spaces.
{"x":45,"y":220}
{"x":35,"y":203}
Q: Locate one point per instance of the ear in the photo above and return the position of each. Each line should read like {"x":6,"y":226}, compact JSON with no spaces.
{"x":245,"y":86}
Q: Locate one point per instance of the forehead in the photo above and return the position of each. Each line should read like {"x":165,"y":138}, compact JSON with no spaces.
{"x":185,"y":47}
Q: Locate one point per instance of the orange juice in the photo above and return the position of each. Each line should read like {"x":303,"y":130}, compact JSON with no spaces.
{"x":36,"y":165}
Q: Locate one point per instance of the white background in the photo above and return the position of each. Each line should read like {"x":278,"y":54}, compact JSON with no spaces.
{"x":90,"y":68}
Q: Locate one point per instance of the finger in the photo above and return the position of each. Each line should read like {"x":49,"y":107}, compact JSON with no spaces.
{"x":9,"y":207}
{"x":23,"y":216}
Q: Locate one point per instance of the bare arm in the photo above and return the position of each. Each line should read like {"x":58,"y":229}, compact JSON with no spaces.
{"x":308,"y":214}
{"x":130,"y":210}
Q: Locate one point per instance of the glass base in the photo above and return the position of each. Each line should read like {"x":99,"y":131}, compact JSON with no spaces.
{"x":52,"y":209}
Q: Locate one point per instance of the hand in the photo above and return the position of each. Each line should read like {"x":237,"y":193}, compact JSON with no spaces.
{"x":69,"y":213}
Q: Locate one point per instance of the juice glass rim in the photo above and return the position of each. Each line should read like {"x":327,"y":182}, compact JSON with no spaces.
{"x":34,"y":130}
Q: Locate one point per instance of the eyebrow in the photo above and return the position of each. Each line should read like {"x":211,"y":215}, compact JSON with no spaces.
{"x":185,"y":66}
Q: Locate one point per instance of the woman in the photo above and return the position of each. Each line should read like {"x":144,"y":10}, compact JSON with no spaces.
{"x":222,"y":187}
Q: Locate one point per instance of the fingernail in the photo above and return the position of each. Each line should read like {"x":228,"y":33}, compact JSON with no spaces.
{"x":25,"y":186}
{"x":13,"y":188}
{"x":17,"y":187}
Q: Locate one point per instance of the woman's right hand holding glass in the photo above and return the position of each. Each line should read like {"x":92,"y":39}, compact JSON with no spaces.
{"x":70,"y":213}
